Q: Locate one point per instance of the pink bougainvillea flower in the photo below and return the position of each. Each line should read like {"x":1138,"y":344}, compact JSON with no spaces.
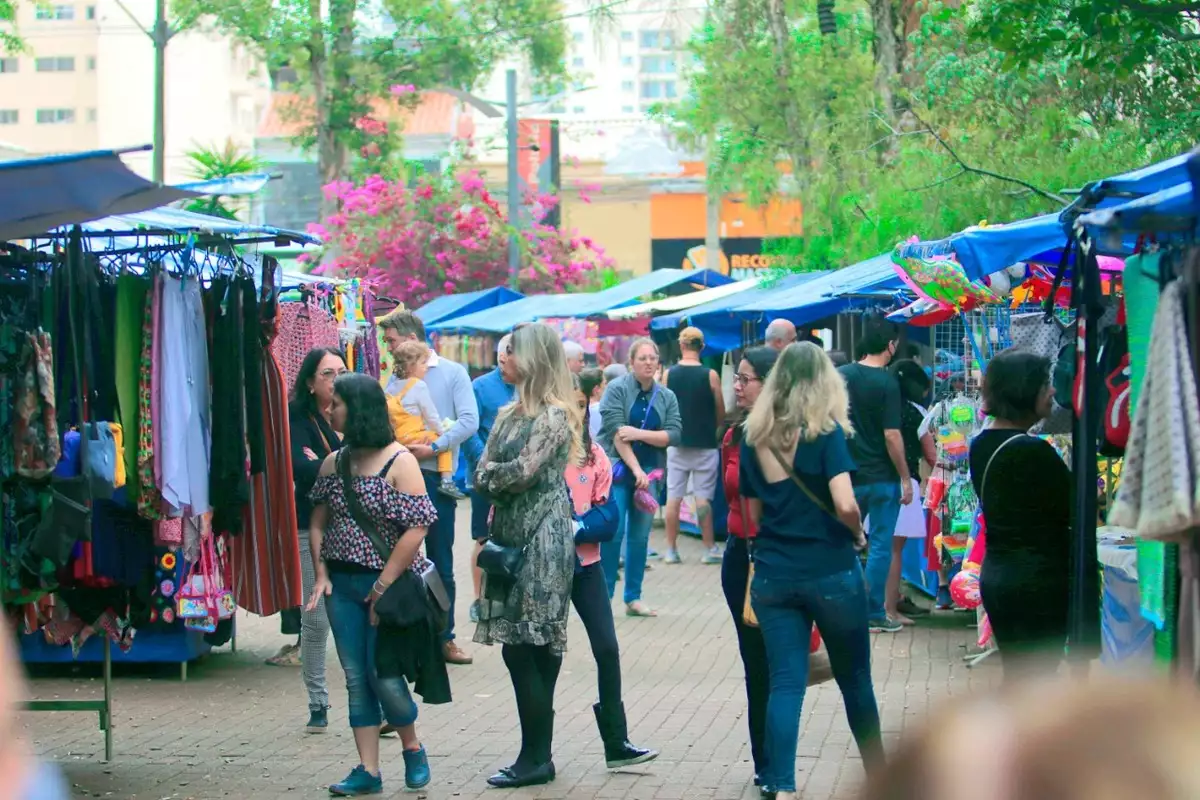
{"x":402,"y":89}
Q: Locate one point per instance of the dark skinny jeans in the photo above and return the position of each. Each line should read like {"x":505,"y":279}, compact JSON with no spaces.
{"x":735,"y":576}
{"x":786,"y":611}
{"x":589,"y":595}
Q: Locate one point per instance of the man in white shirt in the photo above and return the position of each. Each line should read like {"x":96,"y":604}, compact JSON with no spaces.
{"x":450,"y":386}
{"x":780,"y":333}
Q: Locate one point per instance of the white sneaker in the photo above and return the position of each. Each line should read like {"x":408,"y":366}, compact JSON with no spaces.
{"x":714,"y":556}
{"x":672,"y":557}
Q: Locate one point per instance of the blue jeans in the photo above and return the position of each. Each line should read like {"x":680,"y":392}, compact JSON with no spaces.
{"x":634,"y":531}
{"x":880,"y":507}
{"x":786,"y":612}
{"x":439,"y":542}
{"x":355,"y":637}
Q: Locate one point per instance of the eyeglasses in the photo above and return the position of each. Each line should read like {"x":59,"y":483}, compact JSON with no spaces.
{"x":742,"y":380}
{"x":331,"y":373}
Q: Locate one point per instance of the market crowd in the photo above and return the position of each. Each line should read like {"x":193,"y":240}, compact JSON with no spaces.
{"x":816,"y":451}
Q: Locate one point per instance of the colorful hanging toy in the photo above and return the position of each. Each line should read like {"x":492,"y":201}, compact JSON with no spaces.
{"x":941,"y":280}
{"x":964,"y":589}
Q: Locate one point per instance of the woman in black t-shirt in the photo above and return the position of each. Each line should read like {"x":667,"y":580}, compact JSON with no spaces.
{"x":1025,"y":491}
{"x":795,"y":475}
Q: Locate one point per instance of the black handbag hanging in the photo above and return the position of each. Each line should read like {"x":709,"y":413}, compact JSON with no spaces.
{"x":67,"y":516}
{"x":434,"y":586}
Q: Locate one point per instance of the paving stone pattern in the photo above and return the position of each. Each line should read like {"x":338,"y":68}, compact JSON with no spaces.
{"x":234,"y":729}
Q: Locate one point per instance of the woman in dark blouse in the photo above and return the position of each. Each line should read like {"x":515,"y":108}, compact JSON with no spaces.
{"x":795,"y":476}
{"x":1024,"y":488}
{"x":753,"y":369}
{"x":312,"y":440}
{"x":352,"y":572}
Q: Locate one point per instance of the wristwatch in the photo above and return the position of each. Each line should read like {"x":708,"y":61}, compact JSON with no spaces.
{"x":434,"y":447}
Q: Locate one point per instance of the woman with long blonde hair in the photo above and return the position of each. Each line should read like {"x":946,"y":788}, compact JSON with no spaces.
{"x":795,"y":475}
{"x":529,"y":559}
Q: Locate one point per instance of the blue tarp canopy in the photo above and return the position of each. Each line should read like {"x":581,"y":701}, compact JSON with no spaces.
{"x":501,"y":319}
{"x":1147,"y":180}
{"x":659,"y":280}
{"x":40,"y":194}
{"x":1107,"y":224}
{"x":833,"y":292}
{"x":440,"y":309}
{"x":718,"y":320}
{"x":805,"y":299}
{"x":982,"y":251}
{"x":174,"y":220}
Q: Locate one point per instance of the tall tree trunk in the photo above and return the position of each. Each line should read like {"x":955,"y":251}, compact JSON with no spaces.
{"x":781,"y":44}
{"x":887,"y":54}
{"x":331,"y":78}
{"x":712,"y":227}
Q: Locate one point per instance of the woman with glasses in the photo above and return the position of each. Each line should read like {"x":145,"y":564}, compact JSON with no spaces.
{"x":313,"y":439}
{"x":753,"y":369}
{"x":639,"y":421}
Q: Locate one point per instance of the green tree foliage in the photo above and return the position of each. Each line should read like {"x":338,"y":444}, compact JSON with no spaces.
{"x":347,"y":56}
{"x":214,"y":163}
{"x":964,"y":131}
{"x":10,"y":38}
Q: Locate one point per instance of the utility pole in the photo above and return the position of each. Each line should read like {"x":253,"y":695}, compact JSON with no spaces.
{"x":514,"y":189}
{"x":160,"y":35}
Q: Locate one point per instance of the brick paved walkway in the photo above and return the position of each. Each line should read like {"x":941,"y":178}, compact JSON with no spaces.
{"x":234,"y":729}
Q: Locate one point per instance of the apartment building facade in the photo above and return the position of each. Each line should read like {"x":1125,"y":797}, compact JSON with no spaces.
{"x":86,"y":81}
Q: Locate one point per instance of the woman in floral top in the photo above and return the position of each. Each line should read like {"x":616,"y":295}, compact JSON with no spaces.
{"x":352,"y":573}
{"x":521,"y":472}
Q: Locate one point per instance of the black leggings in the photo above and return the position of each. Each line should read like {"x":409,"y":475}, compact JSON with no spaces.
{"x":589,"y":595}
{"x":534,"y":673}
{"x":735,"y":574}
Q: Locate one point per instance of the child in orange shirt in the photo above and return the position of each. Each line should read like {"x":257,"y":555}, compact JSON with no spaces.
{"x":413,"y":415}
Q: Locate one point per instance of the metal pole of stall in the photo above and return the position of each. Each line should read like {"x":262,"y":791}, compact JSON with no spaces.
{"x":514,"y":188}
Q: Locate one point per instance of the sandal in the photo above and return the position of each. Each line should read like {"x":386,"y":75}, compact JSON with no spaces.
{"x":639,"y":609}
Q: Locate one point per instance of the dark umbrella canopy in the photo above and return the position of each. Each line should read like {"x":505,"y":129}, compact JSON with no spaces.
{"x":40,"y":194}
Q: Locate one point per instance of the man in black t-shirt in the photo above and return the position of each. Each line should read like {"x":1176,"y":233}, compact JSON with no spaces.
{"x":881,"y":484}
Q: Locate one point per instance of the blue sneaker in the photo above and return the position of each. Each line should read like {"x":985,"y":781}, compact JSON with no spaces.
{"x":359,"y":782}
{"x":416,"y":768}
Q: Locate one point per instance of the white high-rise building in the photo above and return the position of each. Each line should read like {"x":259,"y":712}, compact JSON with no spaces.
{"x":86,"y":82}
{"x":622,"y":61}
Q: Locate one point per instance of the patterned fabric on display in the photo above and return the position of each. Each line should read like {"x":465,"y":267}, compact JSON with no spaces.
{"x":302,"y":327}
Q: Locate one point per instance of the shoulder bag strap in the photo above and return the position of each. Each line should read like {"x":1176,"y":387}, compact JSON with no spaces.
{"x":354,"y":505}
{"x":988,"y":467}
{"x":818,"y":502}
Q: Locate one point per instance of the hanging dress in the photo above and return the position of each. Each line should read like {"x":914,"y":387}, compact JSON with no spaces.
{"x":184,"y":456}
{"x":229,"y":489}
{"x":266,"y":558}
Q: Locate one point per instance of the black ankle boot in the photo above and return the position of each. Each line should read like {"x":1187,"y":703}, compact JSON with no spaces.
{"x":614,"y":732}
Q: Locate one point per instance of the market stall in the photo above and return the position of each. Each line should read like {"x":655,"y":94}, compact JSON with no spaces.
{"x":147,"y":484}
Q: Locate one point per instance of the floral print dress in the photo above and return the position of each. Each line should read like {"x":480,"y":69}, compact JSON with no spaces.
{"x":521,"y":472}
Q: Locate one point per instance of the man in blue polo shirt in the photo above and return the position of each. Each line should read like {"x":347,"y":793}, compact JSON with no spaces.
{"x":493,"y":391}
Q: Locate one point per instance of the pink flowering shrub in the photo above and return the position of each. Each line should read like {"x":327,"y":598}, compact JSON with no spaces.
{"x":446,"y":235}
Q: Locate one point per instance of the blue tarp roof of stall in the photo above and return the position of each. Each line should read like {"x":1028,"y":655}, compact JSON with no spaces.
{"x":982,"y":251}
{"x":731,"y":302}
{"x":501,"y":319}
{"x":40,"y":194}
{"x":440,"y":309}
{"x":550,"y":306}
{"x":176,"y":220}
{"x":807,"y":298}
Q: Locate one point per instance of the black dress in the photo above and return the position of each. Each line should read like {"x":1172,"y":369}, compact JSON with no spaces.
{"x":1025,"y":575}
